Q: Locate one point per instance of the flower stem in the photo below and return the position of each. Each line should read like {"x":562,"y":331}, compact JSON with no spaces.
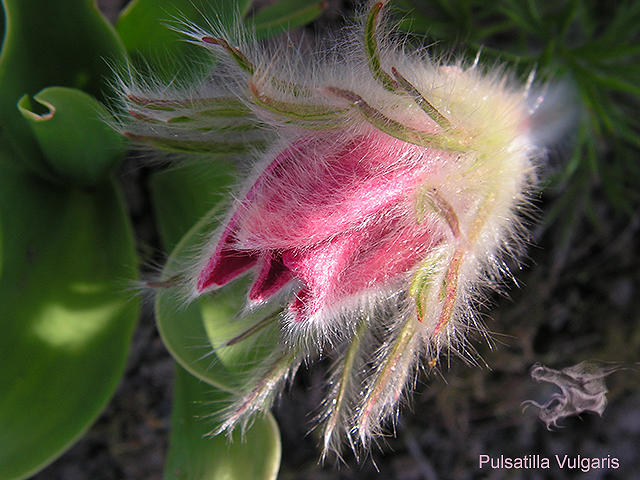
{"x":233,"y":105}
{"x":265,"y":322}
{"x":371,"y":46}
{"x":450,"y":290}
{"x":311,"y":113}
{"x":264,"y":386}
{"x":195,"y":146}
{"x":235,"y":53}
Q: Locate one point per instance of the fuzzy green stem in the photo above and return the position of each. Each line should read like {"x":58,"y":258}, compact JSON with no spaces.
{"x":299,"y":111}
{"x":450,"y":290}
{"x":442,"y":208}
{"x":196,"y":123}
{"x":371,"y":47}
{"x":241,"y":60}
{"x":398,"y":355}
{"x":196,"y":146}
{"x":265,"y":322}
{"x":210,"y":104}
{"x":263,"y":387}
{"x":343,"y":382}
{"x":423,"y":280}
{"x":168,"y":283}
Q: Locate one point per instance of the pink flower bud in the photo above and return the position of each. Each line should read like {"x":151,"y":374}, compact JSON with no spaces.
{"x":334,"y":215}
{"x":387,"y":192}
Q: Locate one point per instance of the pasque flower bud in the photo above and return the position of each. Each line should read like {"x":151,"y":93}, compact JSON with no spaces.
{"x":386,"y":193}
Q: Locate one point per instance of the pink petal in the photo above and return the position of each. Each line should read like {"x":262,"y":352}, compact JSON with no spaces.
{"x":273,"y":275}
{"x":392,"y":253}
{"x":299,"y":305}
{"x":225,"y":264}
{"x":227,"y":261}
{"x":334,"y":209}
{"x":319,"y":268}
{"x":349,"y":264}
{"x":319,"y":189}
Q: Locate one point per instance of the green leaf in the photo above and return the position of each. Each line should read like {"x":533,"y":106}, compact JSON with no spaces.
{"x":144,"y":28}
{"x":193,"y":456}
{"x":84,"y":155}
{"x":182,"y":196}
{"x":197,"y":334}
{"x":65,"y":42}
{"x":66,"y":316}
{"x":2,"y":23}
{"x":286,"y":14}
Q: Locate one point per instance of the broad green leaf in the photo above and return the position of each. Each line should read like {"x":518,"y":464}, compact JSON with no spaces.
{"x":195,"y":456}
{"x":286,"y":14}
{"x":62,"y":42}
{"x":191,"y":332}
{"x":85,"y":155}
{"x":143,"y":24}
{"x":2,"y":25}
{"x":66,"y":314}
{"x":183,"y":195}
{"x":145,"y":29}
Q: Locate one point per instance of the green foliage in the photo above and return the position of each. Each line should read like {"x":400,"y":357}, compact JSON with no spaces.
{"x":144,"y":29}
{"x":284,"y":15}
{"x":81,"y":153}
{"x":154,"y":47}
{"x":67,"y":253}
{"x":194,"y":455}
{"x":143,"y":25}
{"x":192,"y":332}
{"x":62,"y":43}
{"x":65,"y":315}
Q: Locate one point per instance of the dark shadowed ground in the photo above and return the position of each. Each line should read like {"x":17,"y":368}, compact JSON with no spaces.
{"x":576,"y":302}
